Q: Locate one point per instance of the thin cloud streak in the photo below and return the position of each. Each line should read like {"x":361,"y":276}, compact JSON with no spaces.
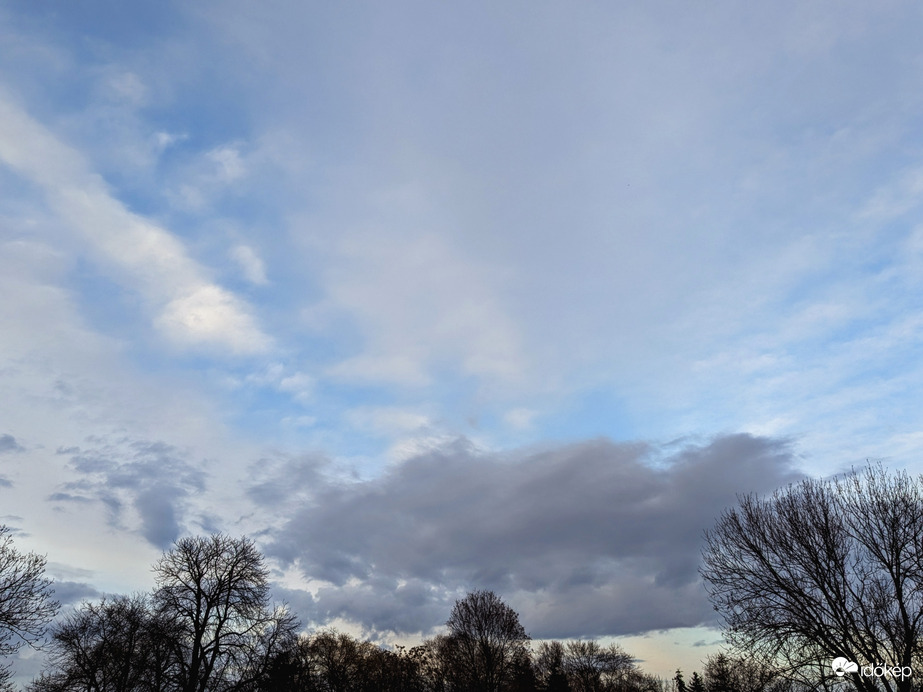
{"x":190,"y":310}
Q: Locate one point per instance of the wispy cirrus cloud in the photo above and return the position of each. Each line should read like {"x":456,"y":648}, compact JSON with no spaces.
{"x":186,"y":306}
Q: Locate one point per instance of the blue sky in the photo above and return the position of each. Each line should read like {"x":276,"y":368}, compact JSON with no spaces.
{"x":261,"y":260}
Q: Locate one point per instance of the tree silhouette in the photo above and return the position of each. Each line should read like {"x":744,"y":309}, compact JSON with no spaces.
{"x":719,"y":674}
{"x":208,"y":627}
{"x":342,"y":663}
{"x":26,"y":603}
{"x":822,"y":569}
{"x":486,"y":639}
{"x":215,"y":590}
{"x":591,"y":667}
{"x":696,"y":684}
{"x":116,"y":645}
{"x":549,"y":664}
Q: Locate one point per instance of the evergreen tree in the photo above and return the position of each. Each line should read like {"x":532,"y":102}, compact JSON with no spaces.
{"x":698,"y":685}
{"x":719,"y":674}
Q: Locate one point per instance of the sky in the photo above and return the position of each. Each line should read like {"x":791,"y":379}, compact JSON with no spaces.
{"x":432,"y":297}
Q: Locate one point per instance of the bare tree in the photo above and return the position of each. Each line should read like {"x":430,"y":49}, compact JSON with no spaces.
{"x":116,"y":645}
{"x":292,"y":669}
{"x":330,"y":661}
{"x":341,"y":662}
{"x":216,"y":591}
{"x":592,"y":667}
{"x":824,"y":569}
{"x":549,"y":667}
{"x":434,"y":663}
{"x":487,"y":639}
{"x":26,"y":603}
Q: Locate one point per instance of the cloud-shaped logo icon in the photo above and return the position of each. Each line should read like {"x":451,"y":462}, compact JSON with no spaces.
{"x":841,"y":666}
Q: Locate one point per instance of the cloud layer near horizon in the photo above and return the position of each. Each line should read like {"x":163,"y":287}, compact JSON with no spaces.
{"x":587,"y":539}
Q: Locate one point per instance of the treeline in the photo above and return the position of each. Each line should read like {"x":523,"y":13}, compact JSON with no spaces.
{"x":209,"y":626}
{"x":724,"y":672}
{"x":775,"y":568}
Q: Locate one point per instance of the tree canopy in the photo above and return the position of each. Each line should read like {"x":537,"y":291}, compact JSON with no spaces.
{"x":824,"y":569}
{"x":26,"y":600}
{"x":487,"y":638}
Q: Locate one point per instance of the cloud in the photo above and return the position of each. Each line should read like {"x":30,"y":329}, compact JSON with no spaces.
{"x":73,"y":592}
{"x":189,"y":308}
{"x":387,"y":604}
{"x":384,"y":420}
{"x":298,"y":385}
{"x":420,"y":302}
{"x":520,"y":418}
{"x":281,"y":480}
{"x":250,"y":264}
{"x":157,"y":507}
{"x":587,"y":539}
{"x":127,"y":86}
{"x":8,"y":443}
{"x":894,"y":198}
{"x":152,"y":479}
{"x":210,"y":176}
{"x":228,"y":164}
{"x":209,"y":314}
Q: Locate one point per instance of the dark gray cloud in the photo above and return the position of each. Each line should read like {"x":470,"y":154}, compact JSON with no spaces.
{"x":157,"y":506}
{"x":587,"y":539}
{"x":8,"y":443}
{"x":73,"y":592}
{"x":68,"y":497}
{"x":275,"y":481}
{"x":152,"y":477}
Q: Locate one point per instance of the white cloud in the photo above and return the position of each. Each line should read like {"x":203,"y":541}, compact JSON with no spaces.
{"x":421,"y":305}
{"x":228,"y":165}
{"x":210,"y":315}
{"x":188,"y":307}
{"x":299,"y":421}
{"x":201,"y":183}
{"x":250,"y":264}
{"x":299,"y":385}
{"x":128,"y":87}
{"x":388,"y":420}
{"x":277,"y":376}
{"x":894,"y":198}
{"x":165,"y":140}
{"x":391,"y":369}
{"x":520,"y":418}
{"x":63,"y":385}
{"x":415,"y":446}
